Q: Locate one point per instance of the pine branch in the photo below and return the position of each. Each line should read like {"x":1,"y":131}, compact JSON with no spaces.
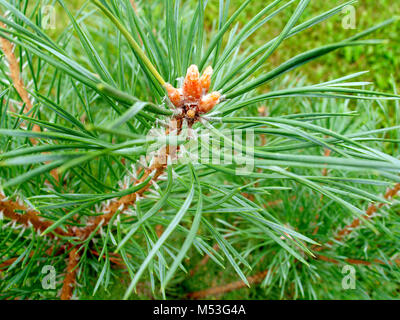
{"x":15,"y":75}
{"x":371,"y":210}
{"x":327,"y":153}
{"x":115,"y":258}
{"x":358,"y":261}
{"x":70,"y":276}
{"x":216,"y":247}
{"x":28,"y":218}
{"x":259,"y":277}
{"x":19,"y":85}
{"x":9,"y":262}
{"x":78,"y":84}
{"x":215,"y":291}
{"x":120,"y":206}
{"x":133,"y":4}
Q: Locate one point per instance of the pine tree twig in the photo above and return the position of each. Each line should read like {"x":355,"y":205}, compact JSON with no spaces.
{"x":259,"y":277}
{"x":159,"y":230}
{"x":206,"y":258}
{"x":216,"y":291}
{"x":158,"y":168}
{"x":28,"y":218}
{"x":371,"y":210}
{"x":8,"y":263}
{"x":18,"y":83}
{"x":327,"y":153}
{"x":14,"y":67}
{"x":117,"y":207}
{"x":114,"y":258}
{"x":70,"y":276}
{"x":15,"y":75}
{"x":358,"y":261}
{"x":49,"y":252}
{"x":120,"y":206}
{"x":134,"y":6}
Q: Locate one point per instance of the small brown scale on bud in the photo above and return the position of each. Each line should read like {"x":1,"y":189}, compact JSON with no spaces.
{"x":193,"y":97}
{"x":191,"y":113}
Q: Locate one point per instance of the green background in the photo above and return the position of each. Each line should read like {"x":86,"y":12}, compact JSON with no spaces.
{"x":382,"y":61}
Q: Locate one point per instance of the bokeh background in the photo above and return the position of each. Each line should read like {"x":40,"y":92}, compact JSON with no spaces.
{"x":382,"y":61}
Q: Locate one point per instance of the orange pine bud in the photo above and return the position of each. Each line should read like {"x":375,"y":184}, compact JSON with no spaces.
{"x":191,"y":85}
{"x":205,"y":79}
{"x":174,"y":95}
{"x":209,"y":101}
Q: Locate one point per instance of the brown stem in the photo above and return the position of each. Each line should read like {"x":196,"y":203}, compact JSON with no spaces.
{"x":206,"y":258}
{"x":28,"y":218}
{"x":114,"y":258}
{"x":18,"y":83}
{"x":15,"y":75}
{"x":120,"y":206}
{"x":134,"y":5}
{"x":228,"y":287}
{"x":327,"y":153}
{"x":358,"y":261}
{"x":49,"y":252}
{"x":7,"y":263}
{"x":117,"y":207}
{"x":70,"y":277}
{"x":259,"y":277}
{"x":371,"y":210}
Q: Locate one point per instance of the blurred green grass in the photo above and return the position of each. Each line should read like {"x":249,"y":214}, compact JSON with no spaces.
{"x":382,"y":61}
